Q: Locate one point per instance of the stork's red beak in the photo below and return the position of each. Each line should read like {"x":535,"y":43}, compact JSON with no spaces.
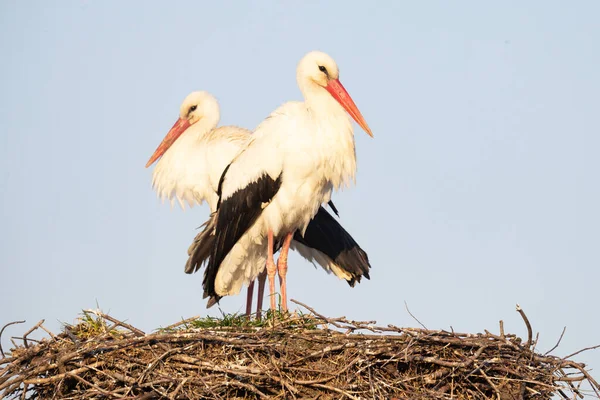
{"x":335,"y":88}
{"x":180,"y":126}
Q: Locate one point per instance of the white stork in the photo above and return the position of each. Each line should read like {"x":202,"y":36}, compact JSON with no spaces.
{"x":194,"y":154}
{"x":276,"y":185}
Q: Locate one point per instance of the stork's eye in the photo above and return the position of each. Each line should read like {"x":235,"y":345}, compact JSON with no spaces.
{"x":193,"y":108}
{"x":323,"y":69}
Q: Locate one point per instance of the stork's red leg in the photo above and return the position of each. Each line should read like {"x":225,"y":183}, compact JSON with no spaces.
{"x":271,"y":269}
{"x":262,"y":278}
{"x":249,"y":299}
{"x":282,"y":267}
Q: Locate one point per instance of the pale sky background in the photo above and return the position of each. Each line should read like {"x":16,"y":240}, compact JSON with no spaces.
{"x":479,"y":191}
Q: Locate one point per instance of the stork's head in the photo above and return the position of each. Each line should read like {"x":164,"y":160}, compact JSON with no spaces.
{"x":317,"y":71}
{"x":197,"y":108}
{"x":317,"y":67}
{"x":199,"y":105}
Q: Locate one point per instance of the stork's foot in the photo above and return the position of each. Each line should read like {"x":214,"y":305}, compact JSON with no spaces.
{"x":271,"y":269}
{"x":249,"y":300}
{"x":282,"y":269}
{"x":262,"y":279}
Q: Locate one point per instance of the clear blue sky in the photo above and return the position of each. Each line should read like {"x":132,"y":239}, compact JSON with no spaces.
{"x":479,"y":191}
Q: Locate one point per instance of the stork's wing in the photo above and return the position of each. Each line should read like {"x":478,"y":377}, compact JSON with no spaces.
{"x":235,"y":215}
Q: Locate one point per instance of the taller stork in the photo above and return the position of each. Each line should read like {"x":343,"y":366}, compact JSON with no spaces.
{"x":276,"y":185}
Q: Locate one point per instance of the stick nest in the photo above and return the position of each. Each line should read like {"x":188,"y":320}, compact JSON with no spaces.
{"x":298,"y":356}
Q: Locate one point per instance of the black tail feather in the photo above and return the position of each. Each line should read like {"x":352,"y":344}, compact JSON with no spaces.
{"x":199,"y":250}
{"x":326,"y":235}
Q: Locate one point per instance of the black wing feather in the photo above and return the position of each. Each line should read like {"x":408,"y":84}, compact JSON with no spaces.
{"x":333,"y":208}
{"x":326,"y":235}
{"x":235,"y":215}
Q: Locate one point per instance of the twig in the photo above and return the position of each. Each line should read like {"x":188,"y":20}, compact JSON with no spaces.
{"x":527,"y":324}
{"x":453,"y":364}
{"x":557,"y":343}
{"x":249,"y":387}
{"x":322,"y":352}
{"x":595,"y":386}
{"x":335,"y":390}
{"x":48,"y":332}
{"x":312,"y":310}
{"x":2,"y":331}
{"x":24,"y":394}
{"x":29,"y":332}
{"x":489,"y":381}
{"x":31,"y":340}
{"x":182,"y":322}
{"x":178,"y":388}
{"x":581,"y":351}
{"x":54,"y":378}
{"x":104,"y":392}
{"x":415,"y":318}
{"x":281,"y":377}
{"x":155,"y":362}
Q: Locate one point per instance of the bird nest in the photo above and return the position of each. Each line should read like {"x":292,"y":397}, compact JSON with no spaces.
{"x":292,"y":356}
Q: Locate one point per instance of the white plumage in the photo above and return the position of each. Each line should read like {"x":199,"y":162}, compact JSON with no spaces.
{"x":190,"y":169}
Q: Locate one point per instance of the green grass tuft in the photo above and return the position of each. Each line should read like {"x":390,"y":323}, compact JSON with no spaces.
{"x":240,"y":321}
{"x":89,"y":325}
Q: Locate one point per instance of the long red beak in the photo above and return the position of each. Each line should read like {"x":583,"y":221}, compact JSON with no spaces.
{"x":335,"y":88}
{"x":180,"y":126}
